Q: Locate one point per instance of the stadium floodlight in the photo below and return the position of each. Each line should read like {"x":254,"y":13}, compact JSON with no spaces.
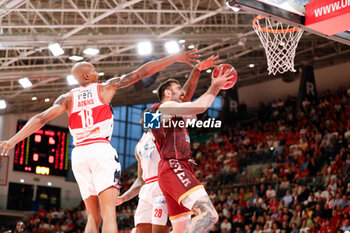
{"x":172,"y":47}
{"x":144,"y":48}
{"x":71,"y":80}
{"x":91,"y":51}
{"x":47,"y":100}
{"x":191,"y":46}
{"x":76,"y":58}
{"x":3,"y":104}
{"x":25,"y":82}
{"x":56,"y":49}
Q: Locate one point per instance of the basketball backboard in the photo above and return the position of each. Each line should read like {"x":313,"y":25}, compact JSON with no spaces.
{"x":291,"y":12}
{"x":294,"y":6}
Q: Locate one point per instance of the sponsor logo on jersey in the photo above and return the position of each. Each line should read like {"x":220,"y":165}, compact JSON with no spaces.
{"x":179,"y":171}
{"x":88,"y":133}
{"x":85,"y":94}
{"x":84,"y":103}
{"x":187,"y":138}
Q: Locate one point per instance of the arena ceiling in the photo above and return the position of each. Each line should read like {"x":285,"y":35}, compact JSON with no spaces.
{"x":115,"y":27}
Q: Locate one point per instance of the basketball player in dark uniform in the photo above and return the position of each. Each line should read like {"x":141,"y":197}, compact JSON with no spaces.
{"x":184,"y":194}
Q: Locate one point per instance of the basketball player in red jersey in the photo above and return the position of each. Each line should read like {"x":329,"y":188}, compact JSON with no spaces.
{"x":152,"y":214}
{"x":183,"y":192}
{"x":94,"y":161}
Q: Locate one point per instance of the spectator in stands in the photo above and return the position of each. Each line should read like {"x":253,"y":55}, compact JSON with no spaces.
{"x":346,"y":226}
{"x":225,"y":226}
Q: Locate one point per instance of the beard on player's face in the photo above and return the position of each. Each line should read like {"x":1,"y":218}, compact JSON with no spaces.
{"x":177,"y":93}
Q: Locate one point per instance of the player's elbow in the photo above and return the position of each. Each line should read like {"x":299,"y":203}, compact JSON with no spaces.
{"x":202,"y":109}
{"x":40,"y":118}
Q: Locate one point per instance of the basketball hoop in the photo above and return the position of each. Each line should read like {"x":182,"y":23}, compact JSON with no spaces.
{"x":280,"y":42}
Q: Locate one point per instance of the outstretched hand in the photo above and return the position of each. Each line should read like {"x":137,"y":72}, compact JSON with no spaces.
{"x":187,"y":56}
{"x":222,"y":79}
{"x":6,"y":147}
{"x":210,"y":62}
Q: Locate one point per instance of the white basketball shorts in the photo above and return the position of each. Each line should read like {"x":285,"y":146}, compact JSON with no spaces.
{"x":95,"y":167}
{"x":152,"y":206}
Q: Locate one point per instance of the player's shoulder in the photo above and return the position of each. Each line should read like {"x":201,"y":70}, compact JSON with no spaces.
{"x":63,"y":98}
{"x":168,"y":103}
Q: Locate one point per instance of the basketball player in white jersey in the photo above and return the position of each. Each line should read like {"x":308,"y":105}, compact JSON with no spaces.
{"x":151,"y":215}
{"x":94,"y":161}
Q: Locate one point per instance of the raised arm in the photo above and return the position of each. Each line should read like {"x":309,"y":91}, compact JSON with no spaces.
{"x":136,"y":186}
{"x":191,"y":83}
{"x":152,"y":67}
{"x":35,"y":123}
{"x":202,"y":103}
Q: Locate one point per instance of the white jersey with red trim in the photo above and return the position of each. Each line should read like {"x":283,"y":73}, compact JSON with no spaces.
{"x":90,"y":119}
{"x":149,"y":157}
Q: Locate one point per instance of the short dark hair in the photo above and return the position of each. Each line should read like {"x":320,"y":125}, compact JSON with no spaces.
{"x":146,"y":110}
{"x":163,"y":86}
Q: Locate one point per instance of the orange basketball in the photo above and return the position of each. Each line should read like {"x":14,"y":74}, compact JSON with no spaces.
{"x":232,"y":75}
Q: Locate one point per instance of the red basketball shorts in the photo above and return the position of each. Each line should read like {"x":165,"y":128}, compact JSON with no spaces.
{"x":177,"y":181}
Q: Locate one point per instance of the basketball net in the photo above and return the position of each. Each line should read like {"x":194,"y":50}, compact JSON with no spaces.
{"x":279,"y":41}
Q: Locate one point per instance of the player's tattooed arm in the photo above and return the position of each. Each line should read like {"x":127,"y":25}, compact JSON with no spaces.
{"x":34,"y":124}
{"x":124,"y":81}
{"x":153,"y":67}
{"x":191,"y":83}
{"x":206,"y":216}
{"x":136,"y":186}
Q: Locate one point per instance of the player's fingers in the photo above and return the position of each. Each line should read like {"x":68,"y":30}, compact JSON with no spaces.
{"x":4,"y":151}
{"x":193,"y":60}
{"x":194,"y":55}
{"x":227,"y":72}
{"x":189,"y":63}
{"x":191,"y":51}
{"x":216,"y":57}
{"x":216,"y":62}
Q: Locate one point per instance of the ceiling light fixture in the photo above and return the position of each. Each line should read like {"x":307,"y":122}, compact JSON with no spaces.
{"x":25,"y":82}
{"x":56,"y":49}
{"x":3,"y":104}
{"x":172,"y":47}
{"x":76,"y":58}
{"x":144,"y":48}
{"x":91,"y":51}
